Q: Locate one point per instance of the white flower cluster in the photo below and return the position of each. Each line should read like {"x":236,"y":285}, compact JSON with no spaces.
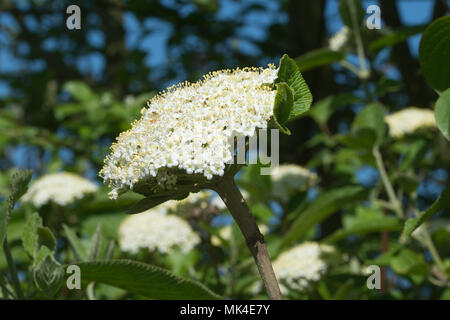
{"x":339,"y":39}
{"x":190,"y":127}
{"x":301,"y":265}
{"x":290,"y":178}
{"x":62,"y":188}
{"x":408,"y":120}
{"x":156,"y":229}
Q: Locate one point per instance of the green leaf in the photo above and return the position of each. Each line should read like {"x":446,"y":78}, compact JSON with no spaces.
{"x":386,"y":85}
{"x":283,"y":103}
{"x":154,"y":200}
{"x":41,"y":254}
{"x":75,"y":243}
{"x":442,"y":113}
{"x":407,"y":181}
{"x":365,"y":221}
{"x":30,"y":236}
{"x":323,"y":109}
{"x":95,"y":244}
{"x":110,"y":224}
{"x":363,"y":138}
{"x":317,"y":58}
{"x":49,"y":276}
{"x":35,"y":236}
{"x":17,"y":187}
{"x":79,"y":91}
{"x":4,"y":219}
{"x":414,"y":153}
{"x":324,"y":205}
{"x":434,"y":52}
{"x":288,"y":72}
{"x":346,"y":8}
{"x":144,"y":279}
{"x":372,"y":117}
{"x":395,"y":37}
{"x":344,"y":290}
{"x":46,"y":238}
{"x":441,"y":203}
{"x":411,"y":264}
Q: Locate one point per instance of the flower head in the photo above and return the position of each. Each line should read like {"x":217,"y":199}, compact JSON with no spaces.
{"x":62,"y":188}
{"x":155,"y":229}
{"x":301,"y":265}
{"x":189,"y":130}
{"x":339,"y":39}
{"x":408,"y":120}
{"x":290,"y":178}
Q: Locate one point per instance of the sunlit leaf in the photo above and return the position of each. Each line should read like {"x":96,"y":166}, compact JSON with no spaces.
{"x":442,"y":113}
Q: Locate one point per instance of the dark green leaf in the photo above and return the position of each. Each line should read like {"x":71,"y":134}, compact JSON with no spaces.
{"x":4,"y":219}
{"x":365,"y":221}
{"x":323,"y":109}
{"x":75,"y":243}
{"x":348,"y":8}
{"x":95,"y":244}
{"x":441,"y":203}
{"x":372,"y":117}
{"x":324,"y":205}
{"x":153,"y":201}
{"x":144,"y":279}
{"x":317,"y":58}
{"x":434,"y":52}
{"x":414,"y":153}
{"x":283,"y":104}
{"x":344,"y":290}
{"x":395,"y":37}
{"x":46,"y":238}
{"x":363,"y":138}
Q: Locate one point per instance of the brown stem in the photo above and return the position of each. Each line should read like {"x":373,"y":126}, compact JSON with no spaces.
{"x":234,"y":201}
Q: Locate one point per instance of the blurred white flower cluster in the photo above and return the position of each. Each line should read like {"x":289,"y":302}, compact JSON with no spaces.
{"x":61,"y":188}
{"x":226,"y":232}
{"x":301,"y":265}
{"x":408,"y":120}
{"x":339,"y":39}
{"x":156,"y":229}
{"x":190,"y":127}
{"x":287,"y":179}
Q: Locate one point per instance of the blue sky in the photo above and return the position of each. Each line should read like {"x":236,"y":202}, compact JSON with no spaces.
{"x":412,"y":12}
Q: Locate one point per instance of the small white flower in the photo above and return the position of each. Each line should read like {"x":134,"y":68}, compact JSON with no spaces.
{"x":62,"y":188}
{"x":339,"y":39}
{"x":290,"y":178}
{"x":155,"y":229}
{"x":408,"y":120}
{"x":301,"y":265}
{"x":189,"y":129}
